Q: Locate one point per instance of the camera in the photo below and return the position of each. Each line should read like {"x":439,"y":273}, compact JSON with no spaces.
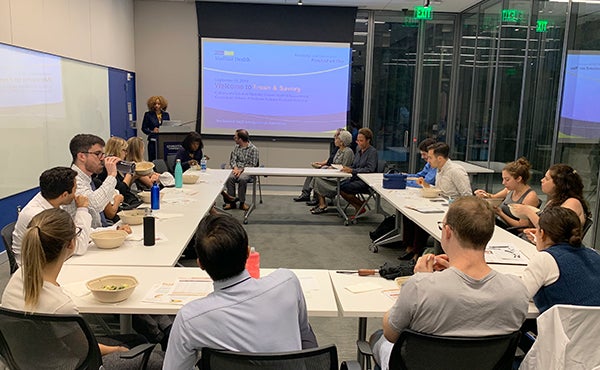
{"x":126,"y":167}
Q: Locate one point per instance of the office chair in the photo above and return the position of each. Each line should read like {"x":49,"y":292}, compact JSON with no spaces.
{"x":366,"y":197}
{"x":322,"y":358}
{"x":419,"y":351}
{"x":7,"y":232}
{"x":40,"y":341}
{"x":160,"y":166}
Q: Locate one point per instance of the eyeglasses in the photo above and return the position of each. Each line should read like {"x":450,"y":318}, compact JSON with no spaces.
{"x":78,"y":231}
{"x":98,"y":154}
{"x":441,"y":224}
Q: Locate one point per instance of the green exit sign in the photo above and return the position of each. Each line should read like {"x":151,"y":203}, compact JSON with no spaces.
{"x":422,"y":12}
{"x":512,"y":15}
{"x":542,"y":25}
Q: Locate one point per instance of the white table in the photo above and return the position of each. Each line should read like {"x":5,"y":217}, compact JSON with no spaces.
{"x":181,"y":209}
{"x":296,"y":172}
{"x":320,"y":299}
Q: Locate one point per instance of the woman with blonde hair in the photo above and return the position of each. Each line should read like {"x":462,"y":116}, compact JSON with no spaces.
{"x":153,"y":119}
{"x":118,"y":147}
{"x":515,"y":178}
{"x":135,"y":153}
{"x":48,"y":242}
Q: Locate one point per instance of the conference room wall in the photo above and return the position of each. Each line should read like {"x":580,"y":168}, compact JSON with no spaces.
{"x":94,"y":31}
{"x":167,"y":64}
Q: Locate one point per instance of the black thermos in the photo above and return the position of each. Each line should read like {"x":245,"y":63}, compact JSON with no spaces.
{"x":149,"y":236}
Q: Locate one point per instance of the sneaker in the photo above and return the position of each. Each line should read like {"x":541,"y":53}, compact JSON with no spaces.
{"x":244,"y":207}
{"x":302,"y":198}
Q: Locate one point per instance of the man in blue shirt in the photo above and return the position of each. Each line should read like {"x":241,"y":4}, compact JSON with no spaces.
{"x":242,"y":313}
{"x":427,"y":173}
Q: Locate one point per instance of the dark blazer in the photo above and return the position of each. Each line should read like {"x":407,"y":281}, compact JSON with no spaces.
{"x":150,"y":122}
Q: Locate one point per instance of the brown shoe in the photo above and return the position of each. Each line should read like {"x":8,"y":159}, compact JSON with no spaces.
{"x":229,"y":206}
{"x":227,"y":198}
{"x":244,"y":207}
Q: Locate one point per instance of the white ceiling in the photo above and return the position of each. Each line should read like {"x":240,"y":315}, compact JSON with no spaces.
{"x":452,"y":6}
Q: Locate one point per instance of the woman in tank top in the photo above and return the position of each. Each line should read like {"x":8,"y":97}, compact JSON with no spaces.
{"x":515,"y":177}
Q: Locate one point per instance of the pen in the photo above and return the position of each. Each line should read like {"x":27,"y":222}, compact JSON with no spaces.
{"x":360,"y":272}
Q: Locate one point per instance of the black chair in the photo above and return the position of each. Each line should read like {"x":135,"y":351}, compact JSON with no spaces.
{"x":419,"y":351}
{"x":322,"y":358}
{"x":586,"y":226}
{"x":39,"y":341}
{"x":7,"y":232}
{"x":160,"y":166}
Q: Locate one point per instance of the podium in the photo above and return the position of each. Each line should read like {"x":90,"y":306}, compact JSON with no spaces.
{"x":171,"y":136}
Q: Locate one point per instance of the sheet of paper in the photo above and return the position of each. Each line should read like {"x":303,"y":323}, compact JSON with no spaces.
{"x":426,"y":209}
{"x":180,"y":292}
{"x":505,"y":253}
{"x":363,"y":287}
{"x":309,"y":283}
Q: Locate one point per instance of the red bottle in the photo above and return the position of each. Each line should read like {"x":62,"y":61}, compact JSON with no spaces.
{"x":253,"y":263}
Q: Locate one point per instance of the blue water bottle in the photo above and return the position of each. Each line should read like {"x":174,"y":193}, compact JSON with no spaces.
{"x":203,"y":164}
{"x":178,"y":174}
{"x":155,"y":196}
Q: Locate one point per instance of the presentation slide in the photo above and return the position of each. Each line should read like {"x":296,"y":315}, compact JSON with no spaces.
{"x":274,"y":88}
{"x":580,"y":116}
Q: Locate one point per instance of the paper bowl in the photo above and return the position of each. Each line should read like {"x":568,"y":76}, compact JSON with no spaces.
{"x":190,"y":179}
{"x":108,"y":239}
{"x":112,"y":288}
{"x":132,"y":217}
{"x":144,"y":168}
{"x":145,"y":196}
{"x":430,"y":192}
{"x":494,"y":202}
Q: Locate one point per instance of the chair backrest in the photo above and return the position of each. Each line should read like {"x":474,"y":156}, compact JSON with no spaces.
{"x":587,"y":225}
{"x":160,"y":165}
{"x":37,"y":341}
{"x":565,"y":340}
{"x":322,"y":358}
{"x":7,"y":232}
{"x":415,"y":350}
{"x":381,"y":166}
{"x":171,"y":162}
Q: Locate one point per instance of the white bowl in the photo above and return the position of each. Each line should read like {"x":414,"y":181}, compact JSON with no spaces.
{"x":430,"y":192}
{"x":494,"y":202}
{"x":108,"y":239}
{"x":112,"y":288}
{"x":144,"y":168}
{"x":132,"y":217}
{"x":190,"y":179}
{"x":145,"y":196}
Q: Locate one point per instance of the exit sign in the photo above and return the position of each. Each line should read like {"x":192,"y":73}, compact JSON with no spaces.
{"x":512,"y":15}
{"x":542,"y":25}
{"x":422,"y":12}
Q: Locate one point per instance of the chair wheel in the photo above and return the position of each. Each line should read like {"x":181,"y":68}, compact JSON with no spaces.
{"x":245,"y":222}
{"x":354,"y":221}
{"x":346,"y":223}
{"x":373,"y":248}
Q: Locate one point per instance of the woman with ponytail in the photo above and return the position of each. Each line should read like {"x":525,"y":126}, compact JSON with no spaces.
{"x":565,"y":271}
{"x":49,"y":240}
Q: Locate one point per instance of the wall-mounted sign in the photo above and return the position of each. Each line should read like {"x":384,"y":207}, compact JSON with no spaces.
{"x":542,"y":25}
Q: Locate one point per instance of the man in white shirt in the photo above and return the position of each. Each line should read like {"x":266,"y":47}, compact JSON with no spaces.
{"x":451,"y":178}
{"x":57,"y":188}
{"x":88,"y":159}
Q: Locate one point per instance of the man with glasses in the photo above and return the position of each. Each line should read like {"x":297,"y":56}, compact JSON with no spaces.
{"x":457,"y":293}
{"x":57,"y":188}
{"x":88,"y":159}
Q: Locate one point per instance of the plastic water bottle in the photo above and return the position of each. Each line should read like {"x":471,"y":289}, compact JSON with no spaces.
{"x":203,"y":164}
{"x":178,"y":174}
{"x":253,"y":263}
{"x":155,"y":196}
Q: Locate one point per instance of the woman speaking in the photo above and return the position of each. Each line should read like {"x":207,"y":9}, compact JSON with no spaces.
{"x":153,"y":119}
